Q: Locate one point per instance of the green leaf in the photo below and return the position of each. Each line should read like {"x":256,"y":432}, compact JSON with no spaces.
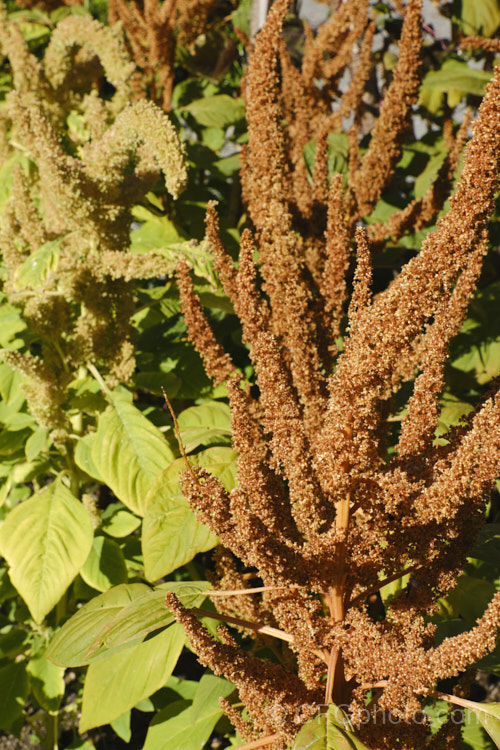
{"x":452,"y":412}
{"x":70,"y":644}
{"x":312,"y":736}
{"x":145,"y":615}
{"x":340,"y":734}
{"x":47,"y":683}
{"x":119,"y":522}
{"x":158,"y":382}
{"x":11,"y":323}
{"x":217,"y":111}
{"x":12,"y":643}
{"x":473,"y":735}
{"x":171,"y":535}
{"x":105,"y":565}
{"x":338,"y":154}
{"x":36,"y":443}
{"x":205,"y":424}
{"x":392,"y":589}
{"x":18,"y":158}
{"x":330,"y":731}
{"x":14,"y":688}
{"x":39,"y":268}
{"x":192,"y":727}
{"x":83,"y":457}
{"x":156,"y":232}
{"x":428,"y":175}
{"x":11,"y":381}
{"x":480,"y":17}
{"x":488,"y":714}
{"x":121,"y":726}
{"x":456,"y":76}
{"x":469,"y":598}
{"x":482,"y":359}
{"x":116,"y":619}
{"x":128,"y":452}
{"x":488,"y":544}
{"x":114,"y":685}
{"x":46,"y":540}
{"x":214,"y":138}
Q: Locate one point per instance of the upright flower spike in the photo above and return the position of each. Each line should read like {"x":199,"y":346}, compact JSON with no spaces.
{"x":391,"y":127}
{"x":322,"y":516}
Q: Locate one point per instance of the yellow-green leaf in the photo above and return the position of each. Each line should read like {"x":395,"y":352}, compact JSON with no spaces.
{"x":489,"y":716}
{"x":47,"y":683}
{"x":118,"y":683}
{"x":129,"y":452}
{"x":118,"y":619}
{"x":480,"y":17}
{"x":105,"y":565}
{"x":171,"y":535}
{"x":46,"y":540}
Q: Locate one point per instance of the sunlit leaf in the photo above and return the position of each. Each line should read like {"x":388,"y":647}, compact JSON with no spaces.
{"x":171,"y":535}
{"x":40,"y":267}
{"x":330,"y":731}
{"x":119,"y":522}
{"x":70,"y":644}
{"x":172,"y":729}
{"x":122,"y":616}
{"x":455,"y":76}
{"x":480,"y":17}
{"x":129,"y":452}
{"x":47,"y":683}
{"x":46,"y":540}
{"x":217,"y":111}
{"x":116,"y":684}
{"x":122,"y":727}
{"x":145,"y":615}
{"x":205,"y":424}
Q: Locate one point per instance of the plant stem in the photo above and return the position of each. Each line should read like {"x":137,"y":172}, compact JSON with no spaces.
{"x":335,"y":680}
{"x":259,"y":743}
{"x":50,"y":741}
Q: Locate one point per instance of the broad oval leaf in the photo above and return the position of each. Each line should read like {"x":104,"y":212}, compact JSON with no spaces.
{"x":119,"y":522}
{"x":146,"y":614}
{"x":117,"y":619}
{"x":330,"y":731}
{"x":488,"y":544}
{"x":217,"y":111}
{"x":171,"y":534}
{"x":312,"y":736}
{"x":105,"y":566}
{"x":46,"y":540}
{"x":83,"y":457}
{"x":118,"y":683}
{"x":47,"y":683}
{"x":456,"y":75}
{"x":172,"y":729}
{"x":129,"y":452}
{"x":39,"y":267}
{"x":480,"y":17}
{"x":205,"y":424}
{"x":70,"y":644}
